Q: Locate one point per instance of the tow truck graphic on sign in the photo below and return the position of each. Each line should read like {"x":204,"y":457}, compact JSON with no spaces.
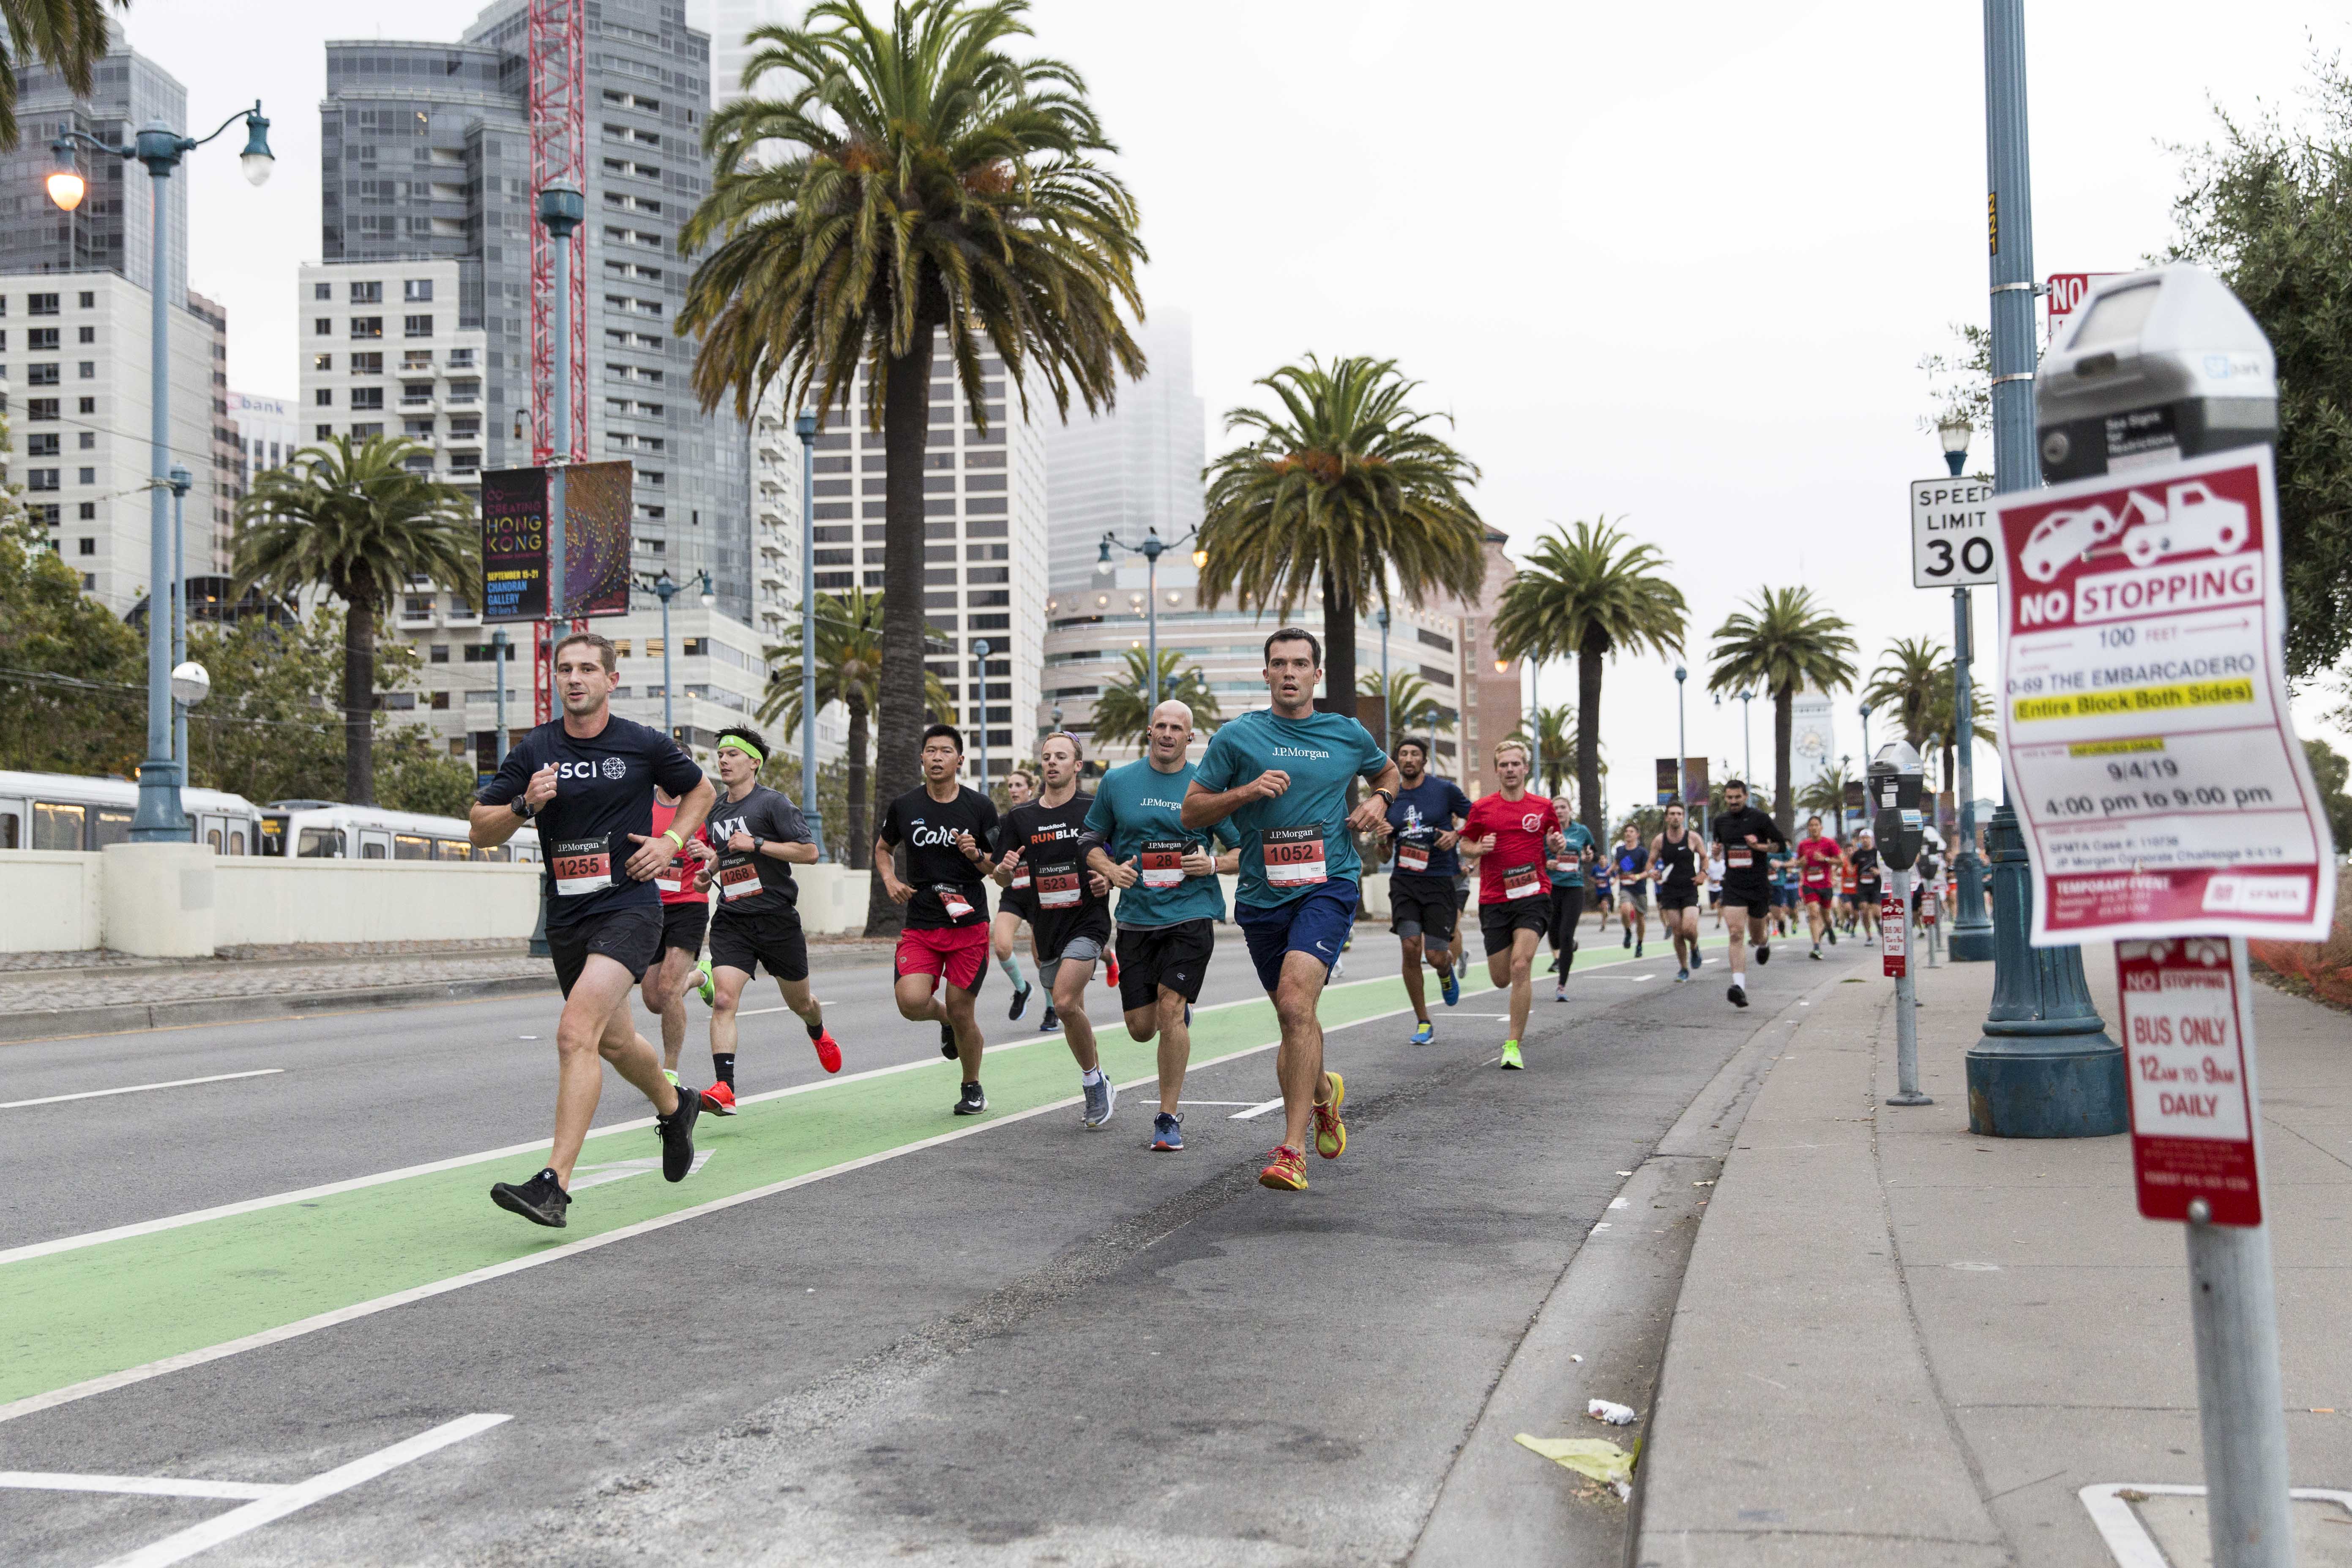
{"x":2190,"y":519}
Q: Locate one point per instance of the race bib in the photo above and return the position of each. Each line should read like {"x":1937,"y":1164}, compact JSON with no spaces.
{"x":1293,"y":856}
{"x":1057,"y":887}
{"x":738,"y":882}
{"x":953,"y":900}
{"x":1740,"y":859}
{"x":1522,"y":881}
{"x":672,"y":877}
{"x":1021,"y":878}
{"x":1411,"y":858}
{"x":580,"y":866}
{"x":1161,"y":861}
{"x":1817,"y":877}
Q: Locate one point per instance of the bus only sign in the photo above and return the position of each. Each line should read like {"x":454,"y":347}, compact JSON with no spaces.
{"x":2185,"y":1035}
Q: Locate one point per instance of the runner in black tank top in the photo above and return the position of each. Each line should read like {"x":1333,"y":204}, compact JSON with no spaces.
{"x":1673,"y":854}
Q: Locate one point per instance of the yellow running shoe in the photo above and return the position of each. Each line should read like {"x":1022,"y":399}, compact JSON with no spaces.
{"x":1511,"y":1062}
{"x":1331,"y":1132}
{"x":1286,"y":1172}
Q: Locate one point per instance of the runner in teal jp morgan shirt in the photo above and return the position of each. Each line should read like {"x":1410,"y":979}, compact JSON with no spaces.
{"x":1321,"y":752}
{"x":1136,"y":807}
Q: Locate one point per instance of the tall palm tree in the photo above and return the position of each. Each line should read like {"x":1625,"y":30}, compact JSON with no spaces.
{"x":912,"y":179}
{"x":1905,"y":685}
{"x":1782,"y":643}
{"x":1553,"y":738}
{"x":354,"y":519}
{"x":848,"y":671}
{"x":70,"y":36}
{"x":1410,"y":704}
{"x":1123,"y":712}
{"x":1345,"y":495}
{"x":1826,"y":794}
{"x":1591,"y":591}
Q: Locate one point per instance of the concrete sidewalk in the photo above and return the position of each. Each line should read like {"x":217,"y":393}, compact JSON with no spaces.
{"x":1900,"y":1343}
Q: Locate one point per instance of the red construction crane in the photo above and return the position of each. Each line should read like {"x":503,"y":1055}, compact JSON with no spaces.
{"x":558,"y":151}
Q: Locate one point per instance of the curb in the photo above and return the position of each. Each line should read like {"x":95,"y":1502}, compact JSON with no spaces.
{"x":59,"y":1023}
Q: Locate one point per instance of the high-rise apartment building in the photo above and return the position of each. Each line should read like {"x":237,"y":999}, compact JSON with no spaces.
{"x":1130,"y":470}
{"x":268,"y":433}
{"x":113,"y":229}
{"x":424,"y":159}
{"x":225,"y":457}
{"x":1493,"y":708}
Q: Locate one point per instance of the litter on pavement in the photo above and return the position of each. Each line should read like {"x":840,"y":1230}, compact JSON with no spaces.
{"x":1615,"y":1414}
{"x":1597,"y":1457}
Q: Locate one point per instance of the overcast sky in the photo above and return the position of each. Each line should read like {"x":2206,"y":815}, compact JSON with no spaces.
{"x":1672,"y":265}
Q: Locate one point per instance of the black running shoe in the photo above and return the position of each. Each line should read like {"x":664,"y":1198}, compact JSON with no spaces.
{"x":542,"y":1200}
{"x":1737,"y":995}
{"x":947,"y":1040}
{"x":1629,"y":938}
{"x":1833,"y":936}
{"x":1764,"y":953}
{"x":1051,"y":1023}
{"x":676,"y":1133}
{"x":1637,"y":950}
{"x":973,"y":1100}
{"x":1019,"y":1004}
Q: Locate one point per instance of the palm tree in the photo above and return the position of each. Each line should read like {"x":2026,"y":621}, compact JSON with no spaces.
{"x":848,"y":671}
{"x":1826,"y":794}
{"x":69,"y":36}
{"x":357,"y":522}
{"x":1589,"y":591}
{"x":1782,"y":643}
{"x":1553,"y":739}
{"x":1344,"y":496}
{"x":1905,"y":686}
{"x":913,"y":178}
{"x":1411,"y":706}
{"x":1123,"y":714}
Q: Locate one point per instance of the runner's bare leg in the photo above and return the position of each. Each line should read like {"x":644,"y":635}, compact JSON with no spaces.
{"x":1299,"y":1060}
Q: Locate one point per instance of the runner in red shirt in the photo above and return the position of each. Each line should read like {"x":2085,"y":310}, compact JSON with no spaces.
{"x":1510,"y":836}
{"x":686,"y":916}
{"x":1820,"y":863}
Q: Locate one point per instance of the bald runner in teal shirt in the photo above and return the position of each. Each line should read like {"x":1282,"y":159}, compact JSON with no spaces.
{"x":1137,"y":810}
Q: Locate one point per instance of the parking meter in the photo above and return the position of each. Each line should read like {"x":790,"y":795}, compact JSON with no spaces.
{"x":2157,"y":366}
{"x":1895,"y":777}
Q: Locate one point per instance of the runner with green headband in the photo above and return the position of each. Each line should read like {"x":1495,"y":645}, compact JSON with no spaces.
{"x":759,"y":836}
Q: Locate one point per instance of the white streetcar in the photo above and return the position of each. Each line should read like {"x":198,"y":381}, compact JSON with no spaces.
{"x":63,"y":811}
{"x":329,"y":830}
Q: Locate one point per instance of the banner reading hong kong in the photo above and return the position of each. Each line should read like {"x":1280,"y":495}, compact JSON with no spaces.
{"x":599,"y":502}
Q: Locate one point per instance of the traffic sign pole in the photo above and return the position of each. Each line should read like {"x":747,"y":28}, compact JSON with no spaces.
{"x":1894,"y":944}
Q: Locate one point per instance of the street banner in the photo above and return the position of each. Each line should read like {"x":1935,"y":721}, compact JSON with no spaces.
{"x":1696,"y":782}
{"x":2187,"y":1019}
{"x":1893,"y":949}
{"x":1952,"y":533}
{"x":598,"y":503}
{"x":2144,"y":717}
{"x":1666,"y":779}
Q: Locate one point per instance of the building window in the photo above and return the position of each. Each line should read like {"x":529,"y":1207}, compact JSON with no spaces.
{"x":367,"y":293}
{"x":41,"y":375}
{"x":88,"y":441}
{"x":367,"y":326}
{"x":365,"y":397}
{"x":88,"y":546}
{"x":41,"y":340}
{"x":322,"y":290}
{"x":88,"y":512}
{"x":85,"y":476}
{"x":83,"y":405}
{"x":39,"y":408}
{"x":367,"y":363}
{"x":41,"y":478}
{"x":322,"y":361}
{"x":86,"y":335}
{"x":89,"y":300}
{"x":323,"y":397}
{"x":46,"y":515}
{"x":367,"y":432}
{"x":417,"y":290}
{"x":322,"y":326}
{"x":41,"y":446}
{"x":323,"y":432}
{"x":417,"y":326}
{"x":40,"y":304}
{"x":86,"y":370}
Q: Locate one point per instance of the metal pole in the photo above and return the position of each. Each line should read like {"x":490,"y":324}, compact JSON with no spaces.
{"x":1906,"y":1011}
{"x":1971,"y":929}
{"x":979,"y":669}
{"x":805,"y":428}
{"x":1682,"y":744}
{"x":561,"y":208}
{"x":2044,"y":1067}
{"x":161,"y":819}
{"x":1535,"y":723}
{"x":1150,"y":625}
{"x":1747,"y":742}
{"x":498,"y":663}
{"x":180,"y":481}
{"x":1388,"y":692}
{"x":670,"y":719}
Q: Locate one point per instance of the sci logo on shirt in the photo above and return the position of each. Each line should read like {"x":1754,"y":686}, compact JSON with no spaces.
{"x":611,"y":767}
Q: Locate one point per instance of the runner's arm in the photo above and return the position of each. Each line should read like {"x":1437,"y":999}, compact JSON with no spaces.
{"x":1206,"y":807}
{"x":1099,"y":862}
{"x":1372,"y":813}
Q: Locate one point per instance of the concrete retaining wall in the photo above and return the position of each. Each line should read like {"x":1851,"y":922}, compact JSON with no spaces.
{"x":48,"y":902}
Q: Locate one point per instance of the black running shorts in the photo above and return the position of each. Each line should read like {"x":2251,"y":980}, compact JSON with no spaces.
{"x":631,"y":936}
{"x":773,"y":939}
{"x":1673,"y":899}
{"x":1021,"y":902}
{"x":1868,"y":892}
{"x":1498,"y":921}
{"x":1422,"y":907}
{"x":683,"y":925}
{"x":1151,"y":958}
{"x":1756,"y":899}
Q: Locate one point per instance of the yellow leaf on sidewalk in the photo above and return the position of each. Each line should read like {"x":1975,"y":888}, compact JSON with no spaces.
{"x":1596,"y":1457}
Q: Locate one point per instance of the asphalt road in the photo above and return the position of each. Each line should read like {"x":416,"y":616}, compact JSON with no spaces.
{"x":1028,"y":1343}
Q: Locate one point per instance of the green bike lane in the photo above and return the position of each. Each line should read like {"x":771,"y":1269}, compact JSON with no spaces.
{"x":84,"y":1315}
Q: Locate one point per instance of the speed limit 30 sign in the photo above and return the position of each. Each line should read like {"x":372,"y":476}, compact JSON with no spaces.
{"x":1953,"y":542}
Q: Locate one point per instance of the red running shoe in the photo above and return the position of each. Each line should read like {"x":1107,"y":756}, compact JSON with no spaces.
{"x":1110,"y":974}
{"x":718,"y":1100}
{"x":828,"y":1051}
{"x":1286,"y":1172}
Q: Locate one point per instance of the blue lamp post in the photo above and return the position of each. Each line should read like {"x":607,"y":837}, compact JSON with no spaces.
{"x":160,"y":819}
{"x":664,"y":589}
{"x":805,"y":426}
{"x":1152,"y":547}
{"x":182,"y":481}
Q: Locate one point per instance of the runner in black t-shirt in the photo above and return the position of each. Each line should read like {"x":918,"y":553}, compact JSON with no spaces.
{"x":1016,"y":906}
{"x":1867,"y":886}
{"x":947,"y":830}
{"x":759,"y":836}
{"x":1072,"y":918}
{"x":1747,"y":835}
{"x":589,"y":778}
{"x":1674,"y":854}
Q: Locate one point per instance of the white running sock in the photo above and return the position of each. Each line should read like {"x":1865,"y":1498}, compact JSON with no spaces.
{"x":1090,"y":1078}
{"x":1011,"y":967}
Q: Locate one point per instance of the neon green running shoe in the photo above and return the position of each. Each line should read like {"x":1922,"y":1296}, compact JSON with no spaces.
{"x":1511,"y":1062}
{"x":670,"y":1075}
{"x":710,"y":991}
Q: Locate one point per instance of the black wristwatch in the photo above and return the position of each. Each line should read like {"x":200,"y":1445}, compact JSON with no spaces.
{"x":520,"y":807}
{"x":758,"y":844}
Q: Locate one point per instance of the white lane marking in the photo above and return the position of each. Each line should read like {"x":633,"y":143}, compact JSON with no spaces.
{"x":34,"y":1403}
{"x":2127,"y":1537}
{"x":1260,"y":1109}
{"x":1189,"y":1103}
{"x":236,"y":1522}
{"x":137,"y":1089}
{"x":137,"y":1486}
{"x":1617,"y":1203}
{"x":586,"y":1176}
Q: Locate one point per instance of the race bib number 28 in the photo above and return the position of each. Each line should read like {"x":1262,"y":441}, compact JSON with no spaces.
{"x":1161,"y":862}
{"x":1293,"y":855}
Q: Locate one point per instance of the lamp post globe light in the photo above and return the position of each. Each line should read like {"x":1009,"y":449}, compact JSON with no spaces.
{"x":160,"y":819}
{"x":980,"y":672}
{"x":1747,"y":746}
{"x":1151,"y":547}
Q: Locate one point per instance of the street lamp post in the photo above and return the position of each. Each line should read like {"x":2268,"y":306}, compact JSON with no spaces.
{"x":1747,"y":744}
{"x":2044,"y":1067}
{"x":1971,"y":931}
{"x":1152,"y":547}
{"x":980,"y":671}
{"x":499,"y":662}
{"x":663,"y":589}
{"x":561,"y":209}
{"x":805,"y":426}
{"x":181,"y":481}
{"x":1682,"y":744}
{"x":1388,"y":695}
{"x":160,"y":819}
{"x":1866,"y":754}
